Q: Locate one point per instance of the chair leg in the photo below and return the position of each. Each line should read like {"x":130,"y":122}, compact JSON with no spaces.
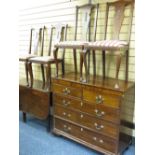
{"x":48,"y":77}
{"x":118,"y":62}
{"x":88,"y":71}
{"x":31,"y":74}
{"x":75,"y":60}
{"x":94,"y":62}
{"x":85,"y":64}
{"x":103,"y":65}
{"x":26,"y":72}
{"x":55,"y":54}
{"x":24,"y":116}
{"x":127,"y":66}
{"x":43,"y":76}
{"x":63,"y":67}
{"x":81,"y":65}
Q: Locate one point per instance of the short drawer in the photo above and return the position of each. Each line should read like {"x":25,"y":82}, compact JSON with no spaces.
{"x":93,"y":123}
{"x":100,"y":96}
{"x":86,"y":135}
{"x":67,"y":91}
{"x":67,"y":101}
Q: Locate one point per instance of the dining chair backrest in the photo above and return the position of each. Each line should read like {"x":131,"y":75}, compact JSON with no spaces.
{"x":84,"y":15}
{"x":36,"y":45}
{"x":120,"y":11}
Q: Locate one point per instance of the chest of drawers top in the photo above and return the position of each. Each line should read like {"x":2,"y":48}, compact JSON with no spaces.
{"x":96,"y":84}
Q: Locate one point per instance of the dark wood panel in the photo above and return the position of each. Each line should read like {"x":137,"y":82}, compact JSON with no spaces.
{"x":34,"y":102}
{"x":99,"y":140}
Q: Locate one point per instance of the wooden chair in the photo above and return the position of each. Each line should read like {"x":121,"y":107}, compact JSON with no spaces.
{"x":86,"y":12}
{"x":46,"y":61}
{"x":115,"y":45}
{"x":39,"y":39}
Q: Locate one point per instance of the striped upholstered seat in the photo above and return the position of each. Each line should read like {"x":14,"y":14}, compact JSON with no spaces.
{"x":71,"y":44}
{"x":108,"y":45}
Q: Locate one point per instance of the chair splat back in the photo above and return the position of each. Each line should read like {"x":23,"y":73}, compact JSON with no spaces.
{"x":60,"y":35}
{"x":85,"y":11}
{"x":119,"y":8}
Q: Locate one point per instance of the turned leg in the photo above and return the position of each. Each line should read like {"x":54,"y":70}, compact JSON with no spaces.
{"x":26,"y":72}
{"x":24,"y":116}
{"x":75,"y":60}
{"x":94,"y":62}
{"x":103,"y":65}
{"x":55,"y":54}
{"x":48,"y":76}
{"x":31,"y":74}
{"x":127,"y":66}
{"x":43,"y":75}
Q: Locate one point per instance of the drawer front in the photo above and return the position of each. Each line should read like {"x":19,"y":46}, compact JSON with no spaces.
{"x":67,"y":101}
{"x":67,"y":91}
{"x":86,"y":135}
{"x":97,"y":125}
{"x":98,"y":96}
{"x":97,"y":110}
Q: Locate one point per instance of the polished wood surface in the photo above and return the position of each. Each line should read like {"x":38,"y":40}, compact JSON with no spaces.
{"x":98,"y":111}
{"x":89,"y":113}
{"x":34,"y":102}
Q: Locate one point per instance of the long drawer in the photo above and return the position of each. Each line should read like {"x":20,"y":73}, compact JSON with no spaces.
{"x":67,"y":91}
{"x":86,"y":135}
{"x":100,"y":96}
{"x":93,"y":123}
{"x":97,"y":110}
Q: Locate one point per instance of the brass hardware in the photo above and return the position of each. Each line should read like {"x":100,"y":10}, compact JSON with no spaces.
{"x":81,"y":104}
{"x":66,"y":91}
{"x":99,"y":113}
{"x":98,"y":127}
{"x":66,"y":129}
{"x":81,"y":129}
{"x":81,"y":115}
{"x":99,"y":99}
{"x":65,"y":103}
{"x":69,"y":115}
{"x":65,"y":114}
{"x":101,"y":141}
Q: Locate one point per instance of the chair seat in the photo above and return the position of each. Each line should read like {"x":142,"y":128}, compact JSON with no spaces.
{"x":43,"y":59}
{"x":25,"y":57}
{"x":71,"y":44}
{"x":108,"y":45}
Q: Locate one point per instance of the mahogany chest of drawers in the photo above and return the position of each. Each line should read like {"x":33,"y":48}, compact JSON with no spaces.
{"x":89,"y":113}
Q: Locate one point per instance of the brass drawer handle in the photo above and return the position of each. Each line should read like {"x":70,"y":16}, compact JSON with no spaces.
{"x":99,"y":113}
{"x":65,"y":103}
{"x":66,"y":128}
{"x":98,"y":127}
{"x":100,"y":141}
{"x":66,"y":91}
{"x":65,"y":114}
{"x":99,"y":99}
